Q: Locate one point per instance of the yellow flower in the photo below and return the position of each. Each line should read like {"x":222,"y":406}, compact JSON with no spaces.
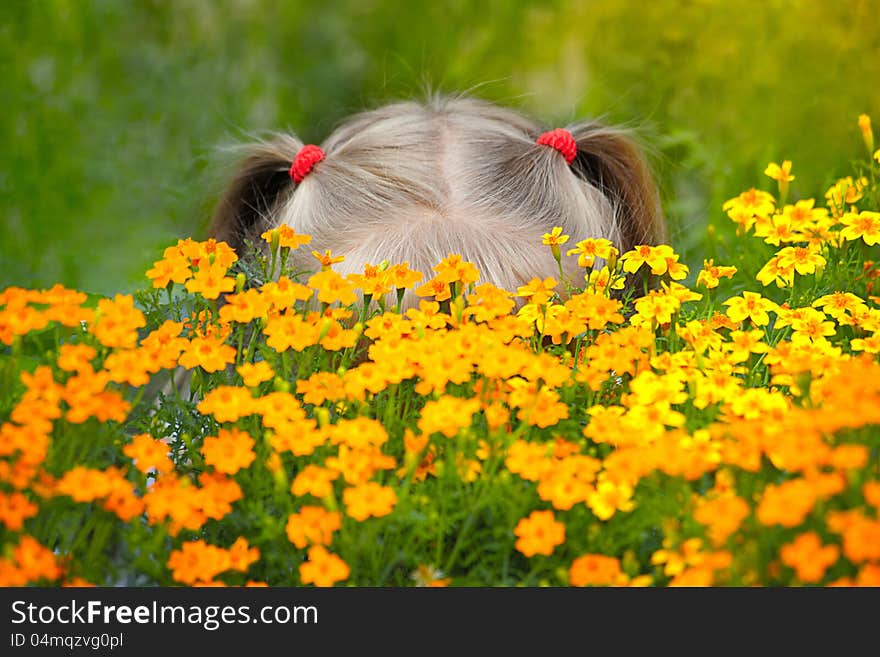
{"x":750,"y":306}
{"x":656,"y":257}
{"x":554,"y":237}
{"x":327,"y":259}
{"x":780,"y":173}
{"x":589,"y":249}
{"x":436,"y":288}
{"x":453,"y":269}
{"x":657,"y":307}
{"x":864,"y":225}
{"x":804,"y":259}
{"x":711,"y":274}
{"x":609,"y":498}
{"x":537,"y":291}
{"x":602,"y":281}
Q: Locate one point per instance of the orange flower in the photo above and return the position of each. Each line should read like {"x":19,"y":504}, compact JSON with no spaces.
{"x":722,"y":516}
{"x":241,"y":555}
{"x":229,"y":451}
{"x":595,"y":570}
{"x":314,"y":480}
{"x":452,"y":269}
{"x":861,"y":540}
{"x":284,"y":293}
{"x":289,"y":331}
{"x":320,"y":387}
{"x":528,"y":460}
{"x":359,"y":433}
{"x":786,"y":504}
{"x":436,"y":288}
{"x":312,"y":525}
{"x":540,"y":533}
{"x":163,"y":346}
{"x":323,"y":568}
{"x":871,"y":491}
{"x":286,"y":237}
{"x":173,"y":267}
{"x":327,"y":259}
{"x":84,"y":484}
{"x":36,"y":561}
{"x":447,"y":415}
{"x":369,"y":499}
{"x":198,"y":561}
{"x":148,"y":454}
{"x":542,"y":410}
{"x":211,"y":354}
{"x":401,"y":276}
{"x":568,"y":482}
{"x":15,"y":508}
{"x":809,"y":557}
{"x":215,"y":252}
{"x":244,"y":307}
{"x":117,"y":322}
{"x":227,"y":403}
{"x":129,"y":366}
{"x":373,"y":282}
{"x":332,"y":287}
{"x":210,"y":281}
{"x":75,"y":357}
{"x":335,"y":338}
{"x":253,"y":374}
{"x":537,"y":291}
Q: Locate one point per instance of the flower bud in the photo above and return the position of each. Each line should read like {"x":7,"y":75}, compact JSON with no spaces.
{"x":867,"y":133}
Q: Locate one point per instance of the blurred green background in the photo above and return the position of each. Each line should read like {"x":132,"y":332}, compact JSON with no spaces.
{"x":112,"y":111}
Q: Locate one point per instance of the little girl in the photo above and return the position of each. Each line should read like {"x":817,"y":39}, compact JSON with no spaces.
{"x":414,"y":182}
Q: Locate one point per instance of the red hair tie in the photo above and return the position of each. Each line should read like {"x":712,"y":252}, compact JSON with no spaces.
{"x":307,"y":157}
{"x":562,"y":141}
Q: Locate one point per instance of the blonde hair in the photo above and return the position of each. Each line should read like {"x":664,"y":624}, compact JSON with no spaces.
{"x":416,"y":181}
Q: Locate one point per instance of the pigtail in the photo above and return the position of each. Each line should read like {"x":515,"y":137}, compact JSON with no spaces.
{"x":611,"y":161}
{"x":260,"y":183}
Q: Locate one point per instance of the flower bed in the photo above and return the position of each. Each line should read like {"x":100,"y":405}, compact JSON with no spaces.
{"x":239,"y":423}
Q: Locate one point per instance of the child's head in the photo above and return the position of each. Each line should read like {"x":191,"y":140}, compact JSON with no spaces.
{"x":414,"y":182}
